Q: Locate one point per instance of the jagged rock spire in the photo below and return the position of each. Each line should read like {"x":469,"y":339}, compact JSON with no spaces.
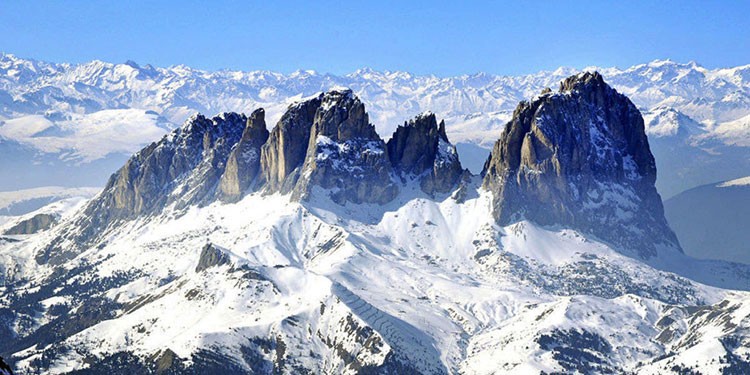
{"x":284,"y":152}
{"x":181,"y":169}
{"x":580,"y":158}
{"x":420,"y":148}
{"x":345,"y":154}
{"x":326,"y":142}
{"x":243,"y":164}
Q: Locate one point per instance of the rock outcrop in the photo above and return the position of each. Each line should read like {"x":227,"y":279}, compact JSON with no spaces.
{"x":34,"y":224}
{"x":420,"y":149}
{"x":211,"y":256}
{"x":345,"y":155}
{"x":580,"y":158}
{"x":325,"y":143}
{"x":243,"y":163}
{"x":183,"y":168}
{"x":180,"y":170}
{"x":4,"y":368}
{"x":284,"y":153}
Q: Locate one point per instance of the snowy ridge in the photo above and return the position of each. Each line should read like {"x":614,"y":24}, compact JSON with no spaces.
{"x":23,"y":201}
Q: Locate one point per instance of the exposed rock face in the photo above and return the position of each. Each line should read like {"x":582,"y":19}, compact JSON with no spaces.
{"x":284,"y":152}
{"x":4,"y":368}
{"x":325,"y":142}
{"x":421,"y":149}
{"x":580,"y":157}
{"x":35,"y":224}
{"x":211,"y":256}
{"x":243,"y":164}
{"x":345,"y":154}
{"x":182,"y":169}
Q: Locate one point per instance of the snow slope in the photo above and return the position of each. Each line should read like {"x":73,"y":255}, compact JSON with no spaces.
{"x":431,"y":284}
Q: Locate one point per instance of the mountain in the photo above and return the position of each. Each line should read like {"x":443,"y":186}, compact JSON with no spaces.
{"x":66,"y":116}
{"x":580,"y":157}
{"x":711,"y":220}
{"x":346,"y":253}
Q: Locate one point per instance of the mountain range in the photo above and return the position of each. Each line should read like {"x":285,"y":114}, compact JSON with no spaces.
{"x":72,"y":124}
{"x":318,"y":246}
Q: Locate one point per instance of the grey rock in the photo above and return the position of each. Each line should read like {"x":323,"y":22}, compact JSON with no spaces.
{"x":180,"y":170}
{"x":284,"y":153}
{"x":243,"y":164}
{"x":345,"y":155}
{"x":36,"y":223}
{"x":580,"y":157}
{"x":5,"y":368}
{"x":211,"y":256}
{"x":420,"y":148}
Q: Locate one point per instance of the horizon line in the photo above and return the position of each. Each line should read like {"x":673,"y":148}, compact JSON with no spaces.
{"x":365,"y":69}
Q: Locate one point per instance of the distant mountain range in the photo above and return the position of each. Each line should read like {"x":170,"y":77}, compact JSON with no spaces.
{"x":70,"y":124}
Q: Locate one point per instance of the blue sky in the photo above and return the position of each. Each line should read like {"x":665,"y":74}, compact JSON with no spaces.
{"x":423,"y":37}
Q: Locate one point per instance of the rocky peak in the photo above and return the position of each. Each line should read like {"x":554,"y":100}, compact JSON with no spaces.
{"x":325,"y":142}
{"x":212,"y":256}
{"x":284,"y":152}
{"x":588,"y":82}
{"x":345,"y":154}
{"x":256,"y":122}
{"x":243,"y":163}
{"x":420,"y":148}
{"x":181,"y":169}
{"x":580,"y":158}
{"x":342,"y":117}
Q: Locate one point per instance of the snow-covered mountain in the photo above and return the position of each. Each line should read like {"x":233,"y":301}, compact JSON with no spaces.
{"x":320,"y":247}
{"x":56,"y":116}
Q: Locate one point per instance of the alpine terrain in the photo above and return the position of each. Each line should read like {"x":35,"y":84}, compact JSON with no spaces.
{"x":73,"y":124}
{"x":319,"y":246}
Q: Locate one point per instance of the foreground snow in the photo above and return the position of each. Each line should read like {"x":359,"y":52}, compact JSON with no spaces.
{"x":432,"y":283}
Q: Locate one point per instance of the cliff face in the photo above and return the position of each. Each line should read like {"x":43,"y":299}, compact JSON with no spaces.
{"x":326,"y":142}
{"x":285,"y":150}
{"x":345,"y":155}
{"x":181,"y":169}
{"x":580,"y":158}
{"x":420,"y":149}
{"x":243,"y":163}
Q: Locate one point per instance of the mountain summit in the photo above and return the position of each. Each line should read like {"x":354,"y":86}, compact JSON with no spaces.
{"x":326,"y":142}
{"x":580,"y":158}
